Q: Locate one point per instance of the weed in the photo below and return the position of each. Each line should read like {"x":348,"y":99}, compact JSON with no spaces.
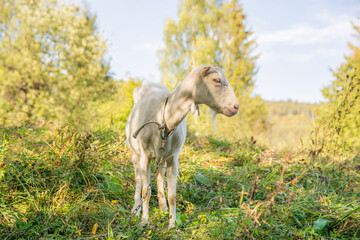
{"x":59,"y":184}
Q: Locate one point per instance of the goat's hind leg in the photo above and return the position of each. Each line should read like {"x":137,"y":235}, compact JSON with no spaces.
{"x":172,"y":171}
{"x":160,"y":185}
{"x":145,"y":178}
{"x":137,"y":196}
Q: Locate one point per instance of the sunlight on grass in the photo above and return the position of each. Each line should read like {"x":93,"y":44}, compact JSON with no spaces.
{"x":66,"y":184}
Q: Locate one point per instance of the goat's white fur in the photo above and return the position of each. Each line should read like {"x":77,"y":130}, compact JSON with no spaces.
{"x":199,"y":87}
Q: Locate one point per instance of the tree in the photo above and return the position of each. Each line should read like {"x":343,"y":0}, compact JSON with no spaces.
{"x":116,"y":111}
{"x":209,"y":32}
{"x":51,"y":63}
{"x":339,"y":118}
{"x":214,"y":32}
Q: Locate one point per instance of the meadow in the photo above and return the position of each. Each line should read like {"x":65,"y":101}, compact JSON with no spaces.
{"x":289,"y":124}
{"x":278,"y":170}
{"x":59,"y":184}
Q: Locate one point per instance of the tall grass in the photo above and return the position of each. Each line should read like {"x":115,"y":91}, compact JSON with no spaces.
{"x":58,"y":184}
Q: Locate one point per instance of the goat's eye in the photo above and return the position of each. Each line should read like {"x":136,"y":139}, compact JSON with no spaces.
{"x":217,"y":80}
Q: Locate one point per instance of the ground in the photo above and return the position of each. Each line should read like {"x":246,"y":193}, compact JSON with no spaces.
{"x":59,"y":184}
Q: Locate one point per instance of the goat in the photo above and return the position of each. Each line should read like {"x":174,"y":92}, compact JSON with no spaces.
{"x":152,"y":102}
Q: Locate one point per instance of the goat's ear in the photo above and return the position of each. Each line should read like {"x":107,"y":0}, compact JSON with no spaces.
{"x":204,"y":70}
{"x":195,"y":109}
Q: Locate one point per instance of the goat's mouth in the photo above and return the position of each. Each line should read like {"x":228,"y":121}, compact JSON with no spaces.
{"x":229,"y":112}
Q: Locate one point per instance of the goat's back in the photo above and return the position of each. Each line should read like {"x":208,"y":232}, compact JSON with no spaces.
{"x":148,"y":104}
{"x":149,"y":90}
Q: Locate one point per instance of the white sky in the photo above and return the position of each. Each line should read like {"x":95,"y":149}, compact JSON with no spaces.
{"x":299,"y":40}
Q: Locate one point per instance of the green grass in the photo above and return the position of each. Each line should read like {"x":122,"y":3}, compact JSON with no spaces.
{"x":58,"y":184}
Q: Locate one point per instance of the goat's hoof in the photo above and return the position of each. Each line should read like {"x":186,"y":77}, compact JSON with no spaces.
{"x":171,"y":225}
{"x":144,"y":222}
{"x":164,"y":208}
{"x":163,"y":204}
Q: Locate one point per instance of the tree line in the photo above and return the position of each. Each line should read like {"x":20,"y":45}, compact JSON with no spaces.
{"x":53,"y":68}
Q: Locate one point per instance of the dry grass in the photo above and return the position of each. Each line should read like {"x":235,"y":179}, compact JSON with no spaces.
{"x":57,"y":184}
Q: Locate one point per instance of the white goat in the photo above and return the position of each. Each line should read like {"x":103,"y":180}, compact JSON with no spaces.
{"x":204,"y":85}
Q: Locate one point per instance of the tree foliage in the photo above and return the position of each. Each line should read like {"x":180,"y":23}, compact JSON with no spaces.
{"x":339,"y":122}
{"x":209,"y":32}
{"x":51,"y":62}
{"x":116,"y":111}
{"x":214,"y":32}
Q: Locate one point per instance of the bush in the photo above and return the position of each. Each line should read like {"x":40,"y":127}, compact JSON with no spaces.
{"x":52,"y":63}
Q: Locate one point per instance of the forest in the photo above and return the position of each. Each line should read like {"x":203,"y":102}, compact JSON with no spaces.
{"x":277,"y":170}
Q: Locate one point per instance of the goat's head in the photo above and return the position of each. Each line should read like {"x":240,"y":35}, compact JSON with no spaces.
{"x":213,"y":90}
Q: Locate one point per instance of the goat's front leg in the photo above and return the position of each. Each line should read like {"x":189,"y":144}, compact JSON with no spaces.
{"x":172,"y":171}
{"x":137,"y":195}
{"x":160,"y":185}
{"x":145,"y":179}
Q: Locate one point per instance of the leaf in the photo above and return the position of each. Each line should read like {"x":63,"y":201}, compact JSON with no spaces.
{"x":113,"y":184}
{"x":320,"y":225}
{"x":178,"y":218}
{"x":2,"y":174}
{"x":78,"y":232}
{"x":204,"y":180}
{"x":93,"y":231}
{"x":181,"y":218}
{"x":25,"y":226}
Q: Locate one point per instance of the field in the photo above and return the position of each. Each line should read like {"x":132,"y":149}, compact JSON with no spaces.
{"x":59,"y":184}
{"x":276,"y":170}
{"x":290,"y":124}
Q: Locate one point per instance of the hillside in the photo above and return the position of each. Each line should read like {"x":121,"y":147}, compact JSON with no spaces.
{"x":290,"y":123}
{"x":66,"y":185}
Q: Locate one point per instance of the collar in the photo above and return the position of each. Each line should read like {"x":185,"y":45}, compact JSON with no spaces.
{"x":164,"y":131}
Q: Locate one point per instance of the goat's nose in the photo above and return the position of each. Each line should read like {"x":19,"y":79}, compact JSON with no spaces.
{"x":236,"y":106}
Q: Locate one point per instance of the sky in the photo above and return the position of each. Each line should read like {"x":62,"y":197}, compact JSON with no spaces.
{"x":299,"y":41}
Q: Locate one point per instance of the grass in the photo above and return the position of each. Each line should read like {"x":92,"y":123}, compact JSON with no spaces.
{"x":58,"y":184}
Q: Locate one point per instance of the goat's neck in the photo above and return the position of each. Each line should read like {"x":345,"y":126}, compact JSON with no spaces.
{"x":178,"y":106}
